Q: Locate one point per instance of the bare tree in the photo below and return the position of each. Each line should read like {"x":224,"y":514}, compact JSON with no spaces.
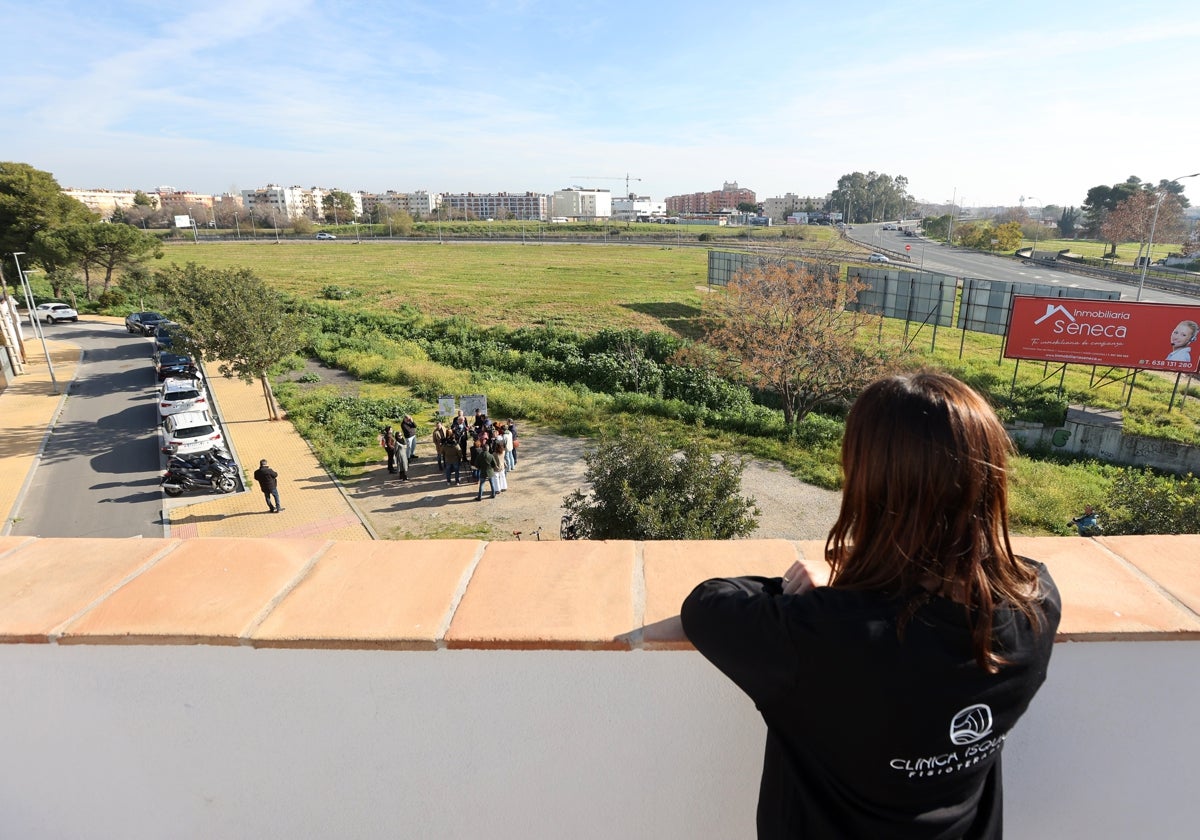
{"x":1131,"y":220}
{"x":782,"y":329}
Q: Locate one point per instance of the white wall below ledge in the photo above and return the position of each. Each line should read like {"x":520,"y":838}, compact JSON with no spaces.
{"x":203,"y":742}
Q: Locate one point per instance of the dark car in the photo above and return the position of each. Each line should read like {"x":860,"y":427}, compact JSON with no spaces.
{"x":143,"y":322}
{"x":164,"y":333}
{"x":174,"y":365}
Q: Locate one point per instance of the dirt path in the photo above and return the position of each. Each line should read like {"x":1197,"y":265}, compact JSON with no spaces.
{"x":549,"y":467}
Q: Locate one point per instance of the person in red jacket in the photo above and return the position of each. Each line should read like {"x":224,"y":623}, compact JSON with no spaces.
{"x":888,"y":694}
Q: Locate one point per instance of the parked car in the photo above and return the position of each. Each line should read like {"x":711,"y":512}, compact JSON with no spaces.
{"x":324,"y":235}
{"x":168,"y":365}
{"x":177,"y":395}
{"x":190,"y":431}
{"x":52,"y":313}
{"x":878,"y":258}
{"x":143,"y":322}
{"x":164,"y":334}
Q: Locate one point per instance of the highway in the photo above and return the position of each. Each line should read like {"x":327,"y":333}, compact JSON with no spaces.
{"x":928,"y":255}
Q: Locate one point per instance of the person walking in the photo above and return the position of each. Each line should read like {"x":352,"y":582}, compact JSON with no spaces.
{"x":268,"y":482}
{"x":409,"y":427}
{"x":888,"y":693}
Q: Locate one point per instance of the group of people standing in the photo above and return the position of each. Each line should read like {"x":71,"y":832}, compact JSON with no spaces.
{"x":487,"y":447}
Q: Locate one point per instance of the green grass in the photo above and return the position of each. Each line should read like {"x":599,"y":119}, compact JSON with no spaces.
{"x":587,"y":288}
{"x":1126,"y":252}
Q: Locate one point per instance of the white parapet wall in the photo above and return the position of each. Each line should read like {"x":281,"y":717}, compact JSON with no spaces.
{"x":148,"y":742}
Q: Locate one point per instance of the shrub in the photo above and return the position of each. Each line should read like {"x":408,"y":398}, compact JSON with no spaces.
{"x":643,"y":490}
{"x":1142,"y":501}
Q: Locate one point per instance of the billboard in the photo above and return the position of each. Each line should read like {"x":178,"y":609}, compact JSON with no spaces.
{"x":1154,"y":336}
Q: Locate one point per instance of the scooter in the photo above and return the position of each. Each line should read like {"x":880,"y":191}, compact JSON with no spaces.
{"x":210,"y":470}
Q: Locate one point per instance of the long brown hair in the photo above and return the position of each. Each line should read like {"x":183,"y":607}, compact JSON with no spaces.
{"x":925,"y":504}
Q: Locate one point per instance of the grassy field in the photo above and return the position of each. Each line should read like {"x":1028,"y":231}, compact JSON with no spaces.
{"x":582,"y":287}
{"x":1126,"y":252}
{"x":586,"y":288}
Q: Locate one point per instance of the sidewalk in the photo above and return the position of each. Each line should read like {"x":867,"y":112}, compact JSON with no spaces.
{"x":313,"y":504}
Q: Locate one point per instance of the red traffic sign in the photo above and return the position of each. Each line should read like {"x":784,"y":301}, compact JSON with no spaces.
{"x":907,"y":247}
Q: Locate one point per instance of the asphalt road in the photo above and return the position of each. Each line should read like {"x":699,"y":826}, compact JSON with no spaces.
{"x":928,"y":255}
{"x":99,"y":473}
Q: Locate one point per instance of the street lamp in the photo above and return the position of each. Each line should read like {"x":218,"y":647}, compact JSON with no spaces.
{"x":1153,"y":225}
{"x":33,"y":320}
{"x":1037,"y":226}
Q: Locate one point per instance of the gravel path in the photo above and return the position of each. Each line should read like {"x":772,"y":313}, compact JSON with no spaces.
{"x":549,"y":467}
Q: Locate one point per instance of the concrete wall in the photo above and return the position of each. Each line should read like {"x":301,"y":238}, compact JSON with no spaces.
{"x":1100,"y":435}
{"x":216,"y":742}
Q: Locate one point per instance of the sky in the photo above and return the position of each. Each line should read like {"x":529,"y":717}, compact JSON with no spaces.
{"x":983,"y":103}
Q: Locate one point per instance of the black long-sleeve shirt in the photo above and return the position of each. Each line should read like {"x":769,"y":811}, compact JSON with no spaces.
{"x":868,"y":734}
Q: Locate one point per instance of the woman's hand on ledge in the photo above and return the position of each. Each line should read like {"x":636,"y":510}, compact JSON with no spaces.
{"x":796,"y":580}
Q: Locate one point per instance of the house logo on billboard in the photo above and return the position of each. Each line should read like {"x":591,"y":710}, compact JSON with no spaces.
{"x":1051,"y":309}
{"x":1069,"y":324}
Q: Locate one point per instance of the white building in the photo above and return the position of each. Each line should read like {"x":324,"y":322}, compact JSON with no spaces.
{"x":106,"y":202}
{"x":581,"y":204}
{"x":281,"y":202}
{"x":629,"y":208}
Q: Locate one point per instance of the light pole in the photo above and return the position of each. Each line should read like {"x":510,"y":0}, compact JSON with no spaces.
{"x":1037,"y":226}
{"x":33,"y":320}
{"x":1153,"y":225}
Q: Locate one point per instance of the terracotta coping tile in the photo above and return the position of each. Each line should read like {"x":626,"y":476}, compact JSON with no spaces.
{"x":549,"y":595}
{"x":396,"y":595}
{"x":423,"y":595}
{"x":673,"y":569}
{"x":1105,"y":598}
{"x":208,"y":591}
{"x":49,"y":581}
{"x":1172,"y":561}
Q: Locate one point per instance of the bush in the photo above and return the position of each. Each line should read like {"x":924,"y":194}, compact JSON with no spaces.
{"x":1142,"y":501}
{"x":643,"y":490}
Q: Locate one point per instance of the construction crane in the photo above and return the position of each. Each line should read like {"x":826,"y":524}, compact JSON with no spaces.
{"x":626,"y":179}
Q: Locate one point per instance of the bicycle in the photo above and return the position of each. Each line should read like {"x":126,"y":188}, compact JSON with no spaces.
{"x":537,"y":533}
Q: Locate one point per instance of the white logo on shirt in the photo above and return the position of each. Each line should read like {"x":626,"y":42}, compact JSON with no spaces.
{"x":971,"y":724}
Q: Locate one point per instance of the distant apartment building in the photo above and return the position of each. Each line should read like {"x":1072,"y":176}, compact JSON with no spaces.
{"x":419,"y":205}
{"x":106,"y":202}
{"x":724,"y":200}
{"x":777,"y":209}
{"x":277,"y":201}
{"x":293,"y":202}
{"x":581,"y":204}
{"x":530,"y":205}
{"x":638,"y":207}
{"x":171,"y":198}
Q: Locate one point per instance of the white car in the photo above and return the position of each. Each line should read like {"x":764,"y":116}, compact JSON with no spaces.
{"x":324,"y":235}
{"x":879,"y":258}
{"x":52,"y":313}
{"x":178,"y":395}
{"x":190,"y":431}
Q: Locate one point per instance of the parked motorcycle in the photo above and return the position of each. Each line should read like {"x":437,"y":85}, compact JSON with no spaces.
{"x":211,"y":470}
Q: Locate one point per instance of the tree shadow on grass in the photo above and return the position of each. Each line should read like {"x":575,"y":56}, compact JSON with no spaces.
{"x":680,"y":317}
